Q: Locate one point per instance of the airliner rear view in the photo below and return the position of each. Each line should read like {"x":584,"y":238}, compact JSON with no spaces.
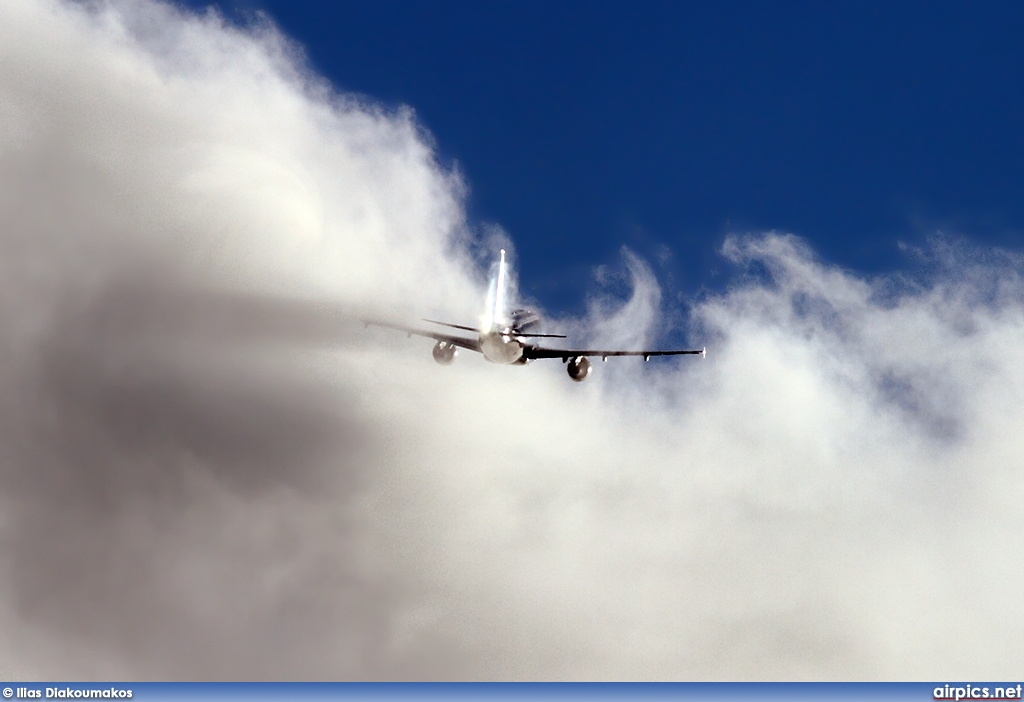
{"x":507,"y":337}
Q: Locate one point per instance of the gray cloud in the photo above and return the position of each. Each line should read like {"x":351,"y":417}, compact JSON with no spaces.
{"x":206,"y":472}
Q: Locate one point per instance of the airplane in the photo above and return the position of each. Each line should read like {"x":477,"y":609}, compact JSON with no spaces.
{"x":506,"y":337}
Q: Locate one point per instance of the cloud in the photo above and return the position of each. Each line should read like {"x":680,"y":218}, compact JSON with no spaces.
{"x":206,"y":474}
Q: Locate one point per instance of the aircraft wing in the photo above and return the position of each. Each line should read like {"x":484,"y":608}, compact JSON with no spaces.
{"x":460,"y":341}
{"x":531,"y":352}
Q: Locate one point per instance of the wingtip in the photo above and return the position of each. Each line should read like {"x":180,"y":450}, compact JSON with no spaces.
{"x":704,"y":352}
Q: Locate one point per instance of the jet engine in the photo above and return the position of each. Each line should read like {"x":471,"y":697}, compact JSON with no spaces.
{"x":445,"y":353}
{"x":579,"y":368}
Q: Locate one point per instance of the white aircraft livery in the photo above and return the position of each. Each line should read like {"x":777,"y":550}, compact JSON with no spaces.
{"x":507,"y":337}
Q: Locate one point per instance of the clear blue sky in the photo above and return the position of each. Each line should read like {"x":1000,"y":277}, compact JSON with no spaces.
{"x":583,"y":126}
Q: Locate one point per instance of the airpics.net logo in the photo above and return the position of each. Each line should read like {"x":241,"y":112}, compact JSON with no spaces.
{"x":977,"y":692}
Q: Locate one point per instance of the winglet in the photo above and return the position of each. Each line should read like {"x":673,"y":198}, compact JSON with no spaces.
{"x":704,"y":352}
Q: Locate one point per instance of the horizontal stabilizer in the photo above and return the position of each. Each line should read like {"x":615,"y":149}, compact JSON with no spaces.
{"x":453,"y":326}
{"x":511,"y":333}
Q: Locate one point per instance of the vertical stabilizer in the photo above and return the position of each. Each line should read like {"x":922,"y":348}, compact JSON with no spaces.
{"x":498,"y":313}
{"x":497,"y":297}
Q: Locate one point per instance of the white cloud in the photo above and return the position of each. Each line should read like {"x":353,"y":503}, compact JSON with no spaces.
{"x":835,"y":492}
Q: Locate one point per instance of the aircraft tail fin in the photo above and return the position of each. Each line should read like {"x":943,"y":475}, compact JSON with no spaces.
{"x":501,"y":284}
{"x":495,"y":314}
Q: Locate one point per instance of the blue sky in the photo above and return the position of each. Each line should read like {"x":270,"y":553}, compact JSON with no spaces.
{"x":663,"y":126}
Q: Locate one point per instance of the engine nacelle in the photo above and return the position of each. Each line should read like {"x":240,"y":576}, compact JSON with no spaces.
{"x":445,"y":353}
{"x":579,"y":368}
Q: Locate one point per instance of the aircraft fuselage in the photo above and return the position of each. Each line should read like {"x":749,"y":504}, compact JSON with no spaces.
{"x":498,"y":346}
